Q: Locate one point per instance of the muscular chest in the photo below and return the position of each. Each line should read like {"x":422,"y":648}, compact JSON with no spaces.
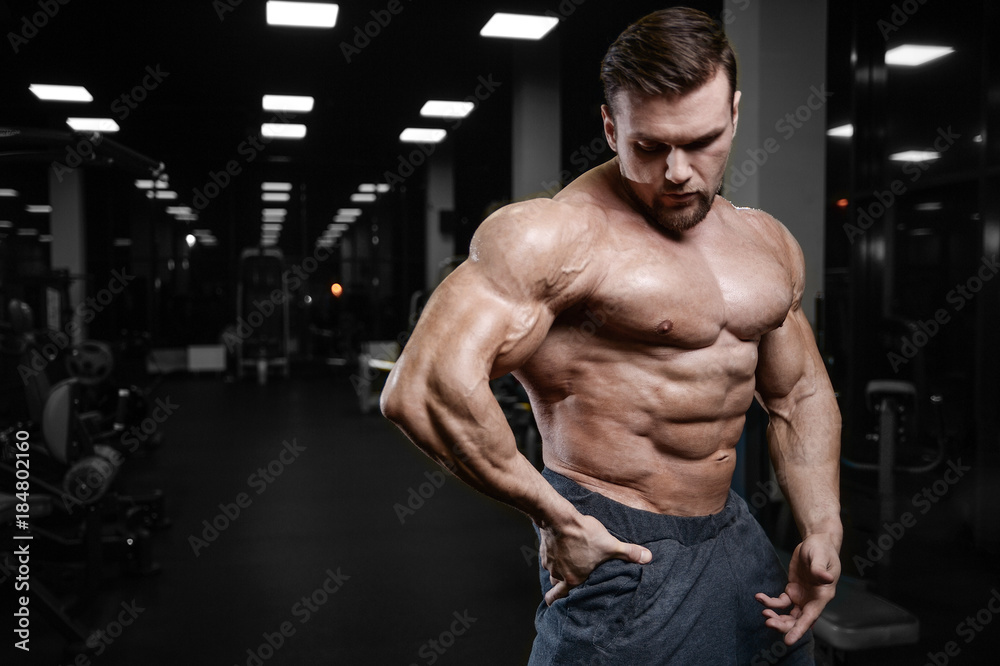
{"x":686,"y":296}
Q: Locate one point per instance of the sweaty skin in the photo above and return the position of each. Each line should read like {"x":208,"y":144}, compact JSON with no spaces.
{"x":643,"y":314}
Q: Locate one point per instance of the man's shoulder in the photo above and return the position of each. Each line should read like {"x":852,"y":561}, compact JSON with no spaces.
{"x":776,"y":237}
{"x":538,"y":225}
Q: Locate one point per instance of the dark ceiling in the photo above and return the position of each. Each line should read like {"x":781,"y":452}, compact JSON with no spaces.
{"x":217,"y":59}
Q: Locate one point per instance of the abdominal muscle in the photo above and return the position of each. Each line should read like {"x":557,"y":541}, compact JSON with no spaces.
{"x":651,"y":428}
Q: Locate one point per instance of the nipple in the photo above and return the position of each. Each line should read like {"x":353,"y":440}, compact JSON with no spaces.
{"x":664,"y":327}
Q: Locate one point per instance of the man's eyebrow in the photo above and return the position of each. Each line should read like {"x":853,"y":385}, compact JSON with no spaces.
{"x":707,"y":137}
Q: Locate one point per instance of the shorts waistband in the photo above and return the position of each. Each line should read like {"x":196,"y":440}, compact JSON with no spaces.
{"x":639,"y":526}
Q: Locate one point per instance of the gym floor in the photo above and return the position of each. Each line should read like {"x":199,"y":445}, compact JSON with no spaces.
{"x":350,"y":547}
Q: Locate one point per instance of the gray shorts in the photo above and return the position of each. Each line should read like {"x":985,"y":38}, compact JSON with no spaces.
{"x":692,"y":604}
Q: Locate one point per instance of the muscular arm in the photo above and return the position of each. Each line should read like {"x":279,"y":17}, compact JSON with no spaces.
{"x":485,"y":320}
{"x":804,"y":442}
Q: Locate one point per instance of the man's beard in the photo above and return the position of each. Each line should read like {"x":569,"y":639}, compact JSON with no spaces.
{"x":672,"y":219}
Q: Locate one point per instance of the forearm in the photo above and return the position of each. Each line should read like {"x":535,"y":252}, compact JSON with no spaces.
{"x":804,"y":441}
{"x":466,"y":432}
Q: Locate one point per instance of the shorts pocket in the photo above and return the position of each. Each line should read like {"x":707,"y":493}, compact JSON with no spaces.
{"x":601,"y":606}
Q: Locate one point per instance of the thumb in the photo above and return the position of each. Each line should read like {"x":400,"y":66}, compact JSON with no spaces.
{"x":631,"y":552}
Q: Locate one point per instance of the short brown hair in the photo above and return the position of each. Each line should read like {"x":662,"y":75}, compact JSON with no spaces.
{"x":671,"y":51}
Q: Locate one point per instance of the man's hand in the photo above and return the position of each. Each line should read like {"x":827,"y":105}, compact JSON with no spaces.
{"x":571,"y":552}
{"x":812,"y":580}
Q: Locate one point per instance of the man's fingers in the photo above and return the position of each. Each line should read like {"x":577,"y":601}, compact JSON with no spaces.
{"x":631,"y":552}
{"x":558,"y":591}
{"x":783,"y":601}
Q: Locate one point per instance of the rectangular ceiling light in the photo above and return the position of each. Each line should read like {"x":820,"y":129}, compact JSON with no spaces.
{"x":349,"y":211}
{"x":275,"y":196}
{"x":382,"y":188}
{"x":337,"y":227}
{"x":344,"y":218}
{"x":148,"y":184}
{"x":276,"y":187}
{"x":290,"y":103}
{"x":439,"y":108}
{"x":165,"y":194}
{"x":915,"y":156}
{"x":422,"y":135}
{"x":283,"y":130}
{"x":178,"y":210}
{"x":106,"y":125}
{"x":267,"y":226}
{"x":518,"y":26}
{"x":52,"y":93}
{"x":841,"y":131}
{"x":913,"y":55}
{"x":276,"y":211}
{"x":366,"y":187}
{"x":302,"y":14}
{"x":8,"y":193}
{"x":38,"y":209}
{"x":362,"y":197}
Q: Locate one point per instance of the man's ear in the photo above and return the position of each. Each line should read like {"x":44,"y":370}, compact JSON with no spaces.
{"x":609,"y":127}
{"x":736,"y":110}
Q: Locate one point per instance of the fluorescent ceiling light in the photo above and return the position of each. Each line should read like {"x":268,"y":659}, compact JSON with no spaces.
{"x":45,"y":238}
{"x":439,"y":108}
{"x":344,"y":218}
{"x":929,"y":205}
{"x":349,"y":211}
{"x":38,"y":209}
{"x":518,"y":26}
{"x":337,"y":227}
{"x":106,"y":125}
{"x":276,"y":187}
{"x":290,"y":103}
{"x":841,"y":131}
{"x":270,"y":227}
{"x":912,"y":55}
{"x":276,"y":211}
{"x":27,"y":232}
{"x":164,"y":194}
{"x":422,"y":135}
{"x":366,"y":187}
{"x":178,"y":210}
{"x":186,"y":217}
{"x":283,"y":130}
{"x":382,"y":187}
{"x":8,"y":193}
{"x":915,"y":156}
{"x":302,"y":14}
{"x":148,"y":184}
{"x":6,"y":224}
{"x":123,"y":242}
{"x":52,"y":93}
{"x":362,"y":197}
{"x":275,"y":196}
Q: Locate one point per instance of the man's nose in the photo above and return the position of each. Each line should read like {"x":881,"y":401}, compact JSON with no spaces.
{"x":678,"y":167}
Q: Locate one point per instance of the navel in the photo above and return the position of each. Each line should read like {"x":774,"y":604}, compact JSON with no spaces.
{"x":664,"y":327}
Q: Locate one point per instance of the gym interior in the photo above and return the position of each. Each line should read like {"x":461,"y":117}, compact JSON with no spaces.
{"x":212,"y":254}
